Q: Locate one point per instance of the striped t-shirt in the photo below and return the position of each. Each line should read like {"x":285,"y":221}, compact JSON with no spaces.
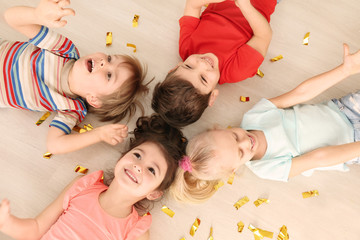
{"x":34,"y":76}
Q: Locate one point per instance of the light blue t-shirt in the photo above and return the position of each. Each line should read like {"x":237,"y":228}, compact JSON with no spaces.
{"x":294,"y":131}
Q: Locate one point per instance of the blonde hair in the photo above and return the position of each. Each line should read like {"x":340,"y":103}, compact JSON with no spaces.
{"x":125,"y":100}
{"x":198,"y":185}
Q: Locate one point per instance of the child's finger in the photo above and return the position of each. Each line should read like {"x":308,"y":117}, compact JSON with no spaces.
{"x":59,"y":24}
{"x":68,"y":12}
{"x":346,"y":49}
{"x":63,"y":3}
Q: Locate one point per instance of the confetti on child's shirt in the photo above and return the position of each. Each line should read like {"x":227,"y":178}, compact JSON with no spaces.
{"x":81,"y":169}
{"x":306,"y":39}
{"x":102,"y":179}
{"x":283,"y":235}
{"x":241,"y":202}
{"x":261,"y":201}
{"x":131,"y":45}
{"x":108,"y":38}
{"x":211,"y":234}
{"x":259,"y":233}
{"x":240,"y":226}
{"x":312,"y":193}
{"x":47,"y":155}
{"x":219,"y":185}
{"x":135,"y":20}
{"x":166,"y":210}
{"x":146,"y":214}
{"x":244,"y":99}
{"x":260,"y":73}
{"x":195,"y":227}
{"x":43,"y":118}
{"x":276,"y":58}
{"x":231,"y":179}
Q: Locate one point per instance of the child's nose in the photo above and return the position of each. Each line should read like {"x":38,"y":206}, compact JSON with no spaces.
{"x":137,"y":168}
{"x":102,"y":63}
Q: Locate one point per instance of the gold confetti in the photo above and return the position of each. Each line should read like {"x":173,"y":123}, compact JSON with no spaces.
{"x":261,"y":201}
{"x":88,"y":127}
{"x":260,"y":73}
{"x":102,"y":179}
{"x":231,"y":178}
{"x":229,"y":127}
{"x":259,"y":233}
{"x":131,"y":45}
{"x":219,"y":185}
{"x":195,"y":227}
{"x":148,"y":213}
{"x":81,"y":169}
{"x":166,"y":210}
{"x":306,"y":39}
{"x":47,"y":155}
{"x":43,"y":118}
{"x":241,"y":202}
{"x":135,"y":20}
{"x":211,"y":234}
{"x":108,"y":38}
{"x":240,"y":226}
{"x":312,"y":193}
{"x":283,"y":235}
{"x":183,"y":238}
{"x":276,"y":58}
{"x":244,"y":99}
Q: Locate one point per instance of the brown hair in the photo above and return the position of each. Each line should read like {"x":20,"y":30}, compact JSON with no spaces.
{"x":178,"y":102}
{"x":124,"y":101}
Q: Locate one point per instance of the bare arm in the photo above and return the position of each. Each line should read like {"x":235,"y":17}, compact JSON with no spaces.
{"x":318,"y":84}
{"x":58,"y":142}
{"x":31,"y":228}
{"x":47,"y":13}
{"x":261,"y":28}
{"x":193,"y":7}
{"x":324,"y":157}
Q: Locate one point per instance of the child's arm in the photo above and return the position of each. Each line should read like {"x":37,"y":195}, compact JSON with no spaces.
{"x":193,"y":7}
{"x":31,"y":228}
{"x":58,"y":142}
{"x":318,"y":84}
{"x":47,"y":13}
{"x":261,"y":28}
{"x":324,"y":157}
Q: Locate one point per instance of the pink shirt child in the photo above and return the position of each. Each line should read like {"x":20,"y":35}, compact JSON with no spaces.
{"x":83,"y":218}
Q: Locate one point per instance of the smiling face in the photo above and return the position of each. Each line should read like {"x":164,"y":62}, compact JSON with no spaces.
{"x":98,"y":75}
{"x":202,"y":70}
{"x":142,"y":170}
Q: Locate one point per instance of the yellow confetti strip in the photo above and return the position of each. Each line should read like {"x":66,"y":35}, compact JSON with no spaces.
{"x":240,"y":226}
{"x":195,"y":227}
{"x":211,"y":234}
{"x":261,"y":201}
{"x":260,"y":73}
{"x":88,"y":127}
{"x":108,"y":38}
{"x":276,"y":58}
{"x":312,"y":193}
{"x":283,"y":235}
{"x":241,"y":202}
{"x":259,"y":233}
{"x":135,"y":20}
{"x":47,"y":155}
{"x":229,"y":127}
{"x":219,"y":185}
{"x":166,"y":210}
{"x":183,"y":238}
{"x":146,"y":214}
{"x":131,"y":45}
{"x":81,"y":169}
{"x":102,"y":179}
{"x":244,"y":99}
{"x":43,"y":118}
{"x":306,"y":39}
{"x":231,"y":178}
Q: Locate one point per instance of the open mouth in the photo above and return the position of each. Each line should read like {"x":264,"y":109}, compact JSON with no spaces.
{"x":209,"y":61}
{"x":252,"y":140}
{"x":90,"y":65}
{"x":132,"y":177}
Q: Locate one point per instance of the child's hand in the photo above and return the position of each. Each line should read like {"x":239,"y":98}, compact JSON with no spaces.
{"x":113,"y":133}
{"x":50,"y":12}
{"x":4,"y":212}
{"x":351,"y":61}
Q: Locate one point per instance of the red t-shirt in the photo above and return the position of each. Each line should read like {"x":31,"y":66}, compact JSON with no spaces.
{"x":223,"y":30}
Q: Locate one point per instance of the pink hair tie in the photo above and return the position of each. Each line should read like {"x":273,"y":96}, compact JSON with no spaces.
{"x":185,"y":164}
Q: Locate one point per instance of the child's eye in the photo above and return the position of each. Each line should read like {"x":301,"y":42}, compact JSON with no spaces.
{"x":137,"y":155}
{"x":109,"y":76}
{"x":152,"y":170}
{"x":109,"y":58}
{"x":203,"y":79}
{"x":188,"y":66}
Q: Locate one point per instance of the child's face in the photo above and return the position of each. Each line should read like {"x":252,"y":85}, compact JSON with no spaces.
{"x":141,"y":171}
{"x":202,"y":70}
{"x":98,"y":75}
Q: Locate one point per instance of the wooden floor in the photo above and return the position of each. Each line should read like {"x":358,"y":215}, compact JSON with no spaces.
{"x":32,"y":182}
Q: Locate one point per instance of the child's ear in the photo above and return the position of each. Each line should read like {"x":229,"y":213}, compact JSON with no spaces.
{"x":154,"y":195}
{"x":213,"y":96}
{"x":93,"y":101}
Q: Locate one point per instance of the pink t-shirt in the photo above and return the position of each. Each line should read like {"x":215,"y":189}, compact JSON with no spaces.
{"x":223,"y":30}
{"x":83,"y":218}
